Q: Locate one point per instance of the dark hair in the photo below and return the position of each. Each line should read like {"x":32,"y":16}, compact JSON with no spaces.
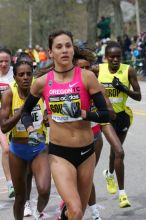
{"x":85,"y":54}
{"x":112,"y":44}
{"x":19,"y":63}
{"x":56,"y":34}
{"x":5,"y":50}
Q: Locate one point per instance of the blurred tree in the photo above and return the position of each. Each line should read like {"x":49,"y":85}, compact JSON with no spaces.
{"x":118,"y":18}
{"x":13,"y":26}
{"x":77,"y":16}
{"x":92,"y":15}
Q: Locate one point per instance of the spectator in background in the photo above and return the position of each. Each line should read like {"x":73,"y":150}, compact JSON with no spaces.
{"x":121,"y":43}
{"x":33,"y":53}
{"x":29,"y":51}
{"x":100,"y":50}
{"x":126,"y":47}
{"x":14,"y":58}
{"x":42,"y":57}
{"x":104,"y":26}
{"x":143,"y":51}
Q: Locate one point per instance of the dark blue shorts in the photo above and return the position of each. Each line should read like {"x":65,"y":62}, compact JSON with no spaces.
{"x":26,"y":151}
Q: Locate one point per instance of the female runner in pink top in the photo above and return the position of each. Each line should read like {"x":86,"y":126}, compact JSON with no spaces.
{"x":67,"y":90}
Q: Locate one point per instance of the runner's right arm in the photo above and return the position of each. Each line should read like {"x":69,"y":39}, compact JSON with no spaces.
{"x":7,"y":121}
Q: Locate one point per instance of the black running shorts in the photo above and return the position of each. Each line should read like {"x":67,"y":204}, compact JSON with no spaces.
{"x":122,"y":122}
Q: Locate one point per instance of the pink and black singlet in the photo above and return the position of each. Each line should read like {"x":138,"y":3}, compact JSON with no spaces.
{"x":56,"y":93}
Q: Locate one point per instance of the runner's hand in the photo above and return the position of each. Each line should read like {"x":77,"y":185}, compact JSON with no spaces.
{"x":119,"y":85}
{"x":35,"y":138}
{"x":71,"y":109}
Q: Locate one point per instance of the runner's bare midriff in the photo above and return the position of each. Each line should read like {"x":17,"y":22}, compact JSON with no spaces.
{"x":73,"y":134}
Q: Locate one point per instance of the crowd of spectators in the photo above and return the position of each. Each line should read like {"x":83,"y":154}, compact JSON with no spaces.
{"x":133,"y":51}
{"x":38,"y":54}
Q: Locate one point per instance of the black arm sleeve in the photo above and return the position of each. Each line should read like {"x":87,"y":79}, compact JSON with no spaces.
{"x":102,"y":114}
{"x":26,"y":117}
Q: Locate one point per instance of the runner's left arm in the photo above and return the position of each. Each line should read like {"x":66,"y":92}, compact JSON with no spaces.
{"x":135,"y":93}
{"x":95,"y":92}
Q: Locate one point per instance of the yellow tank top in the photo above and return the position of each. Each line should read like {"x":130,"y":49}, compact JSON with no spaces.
{"x":117,"y":98}
{"x":37,"y":114}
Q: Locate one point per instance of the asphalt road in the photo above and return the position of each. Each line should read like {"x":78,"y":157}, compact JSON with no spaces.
{"x":135,"y":177}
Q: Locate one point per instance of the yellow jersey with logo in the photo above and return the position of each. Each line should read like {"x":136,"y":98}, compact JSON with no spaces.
{"x":37,"y":114}
{"x":117,"y":97}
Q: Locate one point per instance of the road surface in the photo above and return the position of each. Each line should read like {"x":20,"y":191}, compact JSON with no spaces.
{"x":135,"y":177}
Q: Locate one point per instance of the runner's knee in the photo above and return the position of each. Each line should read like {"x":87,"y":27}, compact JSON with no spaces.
{"x":5,"y":151}
{"x":43,"y":190}
{"x":120,"y":154}
{"x":74,"y":211}
{"x":20,"y":198}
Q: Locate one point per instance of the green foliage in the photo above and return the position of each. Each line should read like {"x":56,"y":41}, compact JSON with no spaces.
{"x":47,"y":16}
